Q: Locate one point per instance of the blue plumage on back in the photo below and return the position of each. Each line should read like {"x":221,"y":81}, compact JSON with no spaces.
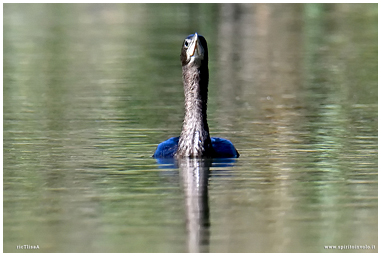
{"x":222,"y":148}
{"x":167,"y":149}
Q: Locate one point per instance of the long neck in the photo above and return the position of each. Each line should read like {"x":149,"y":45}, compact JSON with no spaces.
{"x":194,"y":139}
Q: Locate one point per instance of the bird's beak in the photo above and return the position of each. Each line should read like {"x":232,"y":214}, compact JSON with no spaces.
{"x":195,"y":49}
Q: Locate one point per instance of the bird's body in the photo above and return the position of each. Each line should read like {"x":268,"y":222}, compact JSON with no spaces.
{"x":222,"y":148}
{"x":195,"y":140}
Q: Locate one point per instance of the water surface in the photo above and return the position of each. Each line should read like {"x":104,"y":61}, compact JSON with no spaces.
{"x":90,"y":90}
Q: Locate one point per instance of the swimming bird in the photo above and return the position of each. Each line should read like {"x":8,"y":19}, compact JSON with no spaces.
{"x":194,"y":140}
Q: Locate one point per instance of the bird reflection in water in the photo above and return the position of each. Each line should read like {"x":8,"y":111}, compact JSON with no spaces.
{"x":194,"y":176}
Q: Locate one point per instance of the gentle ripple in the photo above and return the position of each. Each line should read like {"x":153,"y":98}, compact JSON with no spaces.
{"x":90,"y":90}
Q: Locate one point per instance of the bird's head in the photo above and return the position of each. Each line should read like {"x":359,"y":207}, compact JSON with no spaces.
{"x":194,"y":51}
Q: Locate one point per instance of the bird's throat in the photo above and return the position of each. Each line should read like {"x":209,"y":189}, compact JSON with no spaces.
{"x":194,"y":139}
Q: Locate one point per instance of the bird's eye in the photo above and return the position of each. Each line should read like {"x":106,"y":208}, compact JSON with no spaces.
{"x":186,"y":43}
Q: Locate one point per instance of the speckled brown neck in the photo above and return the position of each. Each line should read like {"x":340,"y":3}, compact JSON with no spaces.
{"x":194,"y":138}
